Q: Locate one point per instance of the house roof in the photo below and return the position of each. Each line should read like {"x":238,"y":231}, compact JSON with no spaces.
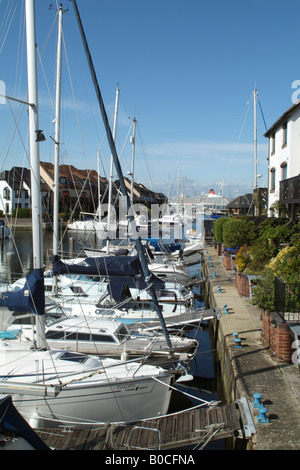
{"x":74,"y":176}
{"x":16,"y":177}
{"x":282,"y":119}
{"x":143,"y":192}
{"x":240,"y":202}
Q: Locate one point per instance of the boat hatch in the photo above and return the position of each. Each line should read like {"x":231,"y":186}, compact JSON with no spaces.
{"x":74,"y":357}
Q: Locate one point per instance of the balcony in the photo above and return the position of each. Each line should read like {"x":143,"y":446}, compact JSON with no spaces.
{"x":290,"y":191}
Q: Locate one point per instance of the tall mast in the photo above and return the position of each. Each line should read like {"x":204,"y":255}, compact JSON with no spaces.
{"x":132,"y":159}
{"x":255,"y":139}
{"x":57,"y":140}
{"x":138,"y":243}
{"x":35,"y":136}
{"x":99,"y":186}
{"x":111,"y":166}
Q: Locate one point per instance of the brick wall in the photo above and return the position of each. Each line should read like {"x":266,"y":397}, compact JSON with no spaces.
{"x":242,"y":284}
{"x":219,"y":249}
{"x":278,"y":336}
{"x":227,"y":261}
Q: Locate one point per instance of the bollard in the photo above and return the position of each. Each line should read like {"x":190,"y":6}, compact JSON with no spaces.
{"x":235,"y":336}
{"x":226,"y":311}
{"x":238,"y":344}
{"x":257,"y":400}
{"x":214,"y":275}
{"x":208,"y":258}
{"x":262,"y":418}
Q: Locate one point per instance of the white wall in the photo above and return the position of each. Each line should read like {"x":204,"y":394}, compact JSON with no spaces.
{"x":289,"y":153}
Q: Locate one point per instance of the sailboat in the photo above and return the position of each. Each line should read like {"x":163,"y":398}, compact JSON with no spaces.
{"x":94,"y":223}
{"x":110,"y":338}
{"x":51,"y":388}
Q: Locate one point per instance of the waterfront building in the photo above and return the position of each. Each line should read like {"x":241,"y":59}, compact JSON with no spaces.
{"x":14,"y":189}
{"x":284,"y":162}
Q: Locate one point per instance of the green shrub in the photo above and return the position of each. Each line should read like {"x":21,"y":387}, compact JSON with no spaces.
{"x":22,"y":213}
{"x":238,"y":232}
{"x":285,"y":265}
{"x":271,"y":235}
{"x":263,"y":295}
{"x":218,"y":229}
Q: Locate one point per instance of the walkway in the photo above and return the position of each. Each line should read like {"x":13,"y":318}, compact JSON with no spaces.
{"x":253,"y":369}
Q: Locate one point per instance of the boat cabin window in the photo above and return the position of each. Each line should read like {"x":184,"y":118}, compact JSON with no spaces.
{"x":78,"y":290}
{"x":53,"y":334}
{"x":122,"y":332}
{"x":62,"y":335}
{"x":103,"y":339}
{"x":74,"y":357}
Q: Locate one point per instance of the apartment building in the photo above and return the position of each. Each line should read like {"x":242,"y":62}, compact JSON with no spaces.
{"x":284,"y":161}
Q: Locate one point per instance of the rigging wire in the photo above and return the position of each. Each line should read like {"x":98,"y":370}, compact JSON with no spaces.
{"x":243,"y":120}
{"x":6,"y":22}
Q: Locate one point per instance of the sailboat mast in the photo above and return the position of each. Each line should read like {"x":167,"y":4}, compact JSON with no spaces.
{"x":132,"y":159}
{"x":255,"y":139}
{"x":99,"y":186}
{"x":111,"y":167}
{"x":34,"y":138}
{"x":57,"y":133}
{"x":33,"y":119}
{"x":110,"y":139}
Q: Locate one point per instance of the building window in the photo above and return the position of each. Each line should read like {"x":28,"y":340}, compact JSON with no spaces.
{"x":6,"y":194}
{"x":283,"y":167}
{"x":284,"y":135}
{"x":272,"y":179}
{"x":63,"y":180}
{"x":272,"y":144}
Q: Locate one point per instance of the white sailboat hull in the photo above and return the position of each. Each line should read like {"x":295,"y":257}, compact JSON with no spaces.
{"x":88,"y":399}
{"x":87,"y":226}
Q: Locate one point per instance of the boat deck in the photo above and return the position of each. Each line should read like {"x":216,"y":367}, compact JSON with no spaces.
{"x":183,"y":319}
{"x":194,"y":427}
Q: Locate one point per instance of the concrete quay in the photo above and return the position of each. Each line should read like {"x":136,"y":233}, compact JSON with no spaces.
{"x":251,"y":368}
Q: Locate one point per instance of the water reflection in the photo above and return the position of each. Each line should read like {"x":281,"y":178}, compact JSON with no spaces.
{"x":17,"y":250}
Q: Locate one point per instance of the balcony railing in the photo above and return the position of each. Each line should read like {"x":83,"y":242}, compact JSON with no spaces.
{"x":290,"y":190}
{"x":287,"y":300}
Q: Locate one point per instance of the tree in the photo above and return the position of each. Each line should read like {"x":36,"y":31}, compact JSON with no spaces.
{"x":218,"y":229}
{"x":238,"y":231}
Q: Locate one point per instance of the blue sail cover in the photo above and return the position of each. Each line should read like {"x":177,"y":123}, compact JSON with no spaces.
{"x":122,"y":271}
{"x":160,"y":245}
{"x":29,"y":299}
{"x":11,"y":421}
{"x":100,"y":266}
{"x":117,"y":285}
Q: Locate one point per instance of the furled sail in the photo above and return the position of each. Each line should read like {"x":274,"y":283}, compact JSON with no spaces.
{"x":31,"y":298}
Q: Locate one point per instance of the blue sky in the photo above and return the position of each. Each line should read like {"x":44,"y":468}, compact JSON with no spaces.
{"x":186,"y":71}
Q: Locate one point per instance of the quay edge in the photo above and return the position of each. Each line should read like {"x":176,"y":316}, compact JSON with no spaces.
{"x":251,"y":368}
